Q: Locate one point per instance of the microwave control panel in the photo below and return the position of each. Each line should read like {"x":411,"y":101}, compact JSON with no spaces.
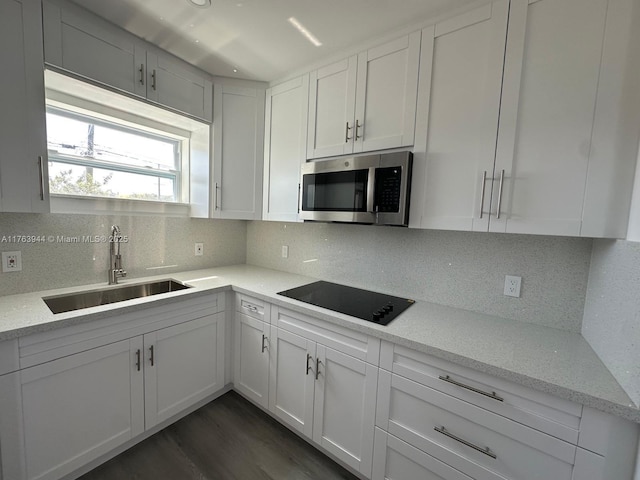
{"x":387,"y":189}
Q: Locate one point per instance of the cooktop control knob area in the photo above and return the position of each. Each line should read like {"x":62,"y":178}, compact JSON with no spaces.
{"x":377,"y":316}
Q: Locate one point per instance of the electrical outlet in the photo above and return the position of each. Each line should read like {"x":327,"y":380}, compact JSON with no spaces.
{"x":11,"y":261}
{"x":199,"y":249}
{"x":512,"y":285}
{"x":285,"y":251}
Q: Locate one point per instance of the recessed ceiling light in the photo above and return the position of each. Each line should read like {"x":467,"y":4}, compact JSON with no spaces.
{"x":235,"y":70}
{"x":302,"y":29}
{"x":200,"y":3}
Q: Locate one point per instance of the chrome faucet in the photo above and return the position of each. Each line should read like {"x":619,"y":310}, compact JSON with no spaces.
{"x":115,"y":259}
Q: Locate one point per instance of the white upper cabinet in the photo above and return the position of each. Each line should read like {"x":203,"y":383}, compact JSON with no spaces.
{"x":82,"y":43}
{"x":237,"y":152}
{"x":532,"y":135}
{"x":23,"y":143}
{"x":284,"y":148}
{"x":386,"y":95}
{"x":565,"y":168}
{"x":365,"y":102}
{"x":332,"y":100}
{"x":457,"y":125}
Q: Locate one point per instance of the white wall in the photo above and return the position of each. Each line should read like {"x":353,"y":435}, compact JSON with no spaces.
{"x":633,"y":233}
{"x":459,"y":269}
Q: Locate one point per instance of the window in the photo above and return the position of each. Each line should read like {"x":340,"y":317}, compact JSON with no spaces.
{"x":90,"y":156}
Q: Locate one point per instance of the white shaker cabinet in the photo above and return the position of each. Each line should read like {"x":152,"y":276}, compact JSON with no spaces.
{"x":23,"y":143}
{"x":86,"y":389}
{"x":184,"y":364}
{"x":284,"y":148}
{"x":457,"y":122}
{"x":323,"y":385}
{"x":237,"y":152}
{"x":563,"y":164}
{"x":252,"y":340}
{"x":77,"y":408}
{"x":84,"y":44}
{"x":365,"y":102}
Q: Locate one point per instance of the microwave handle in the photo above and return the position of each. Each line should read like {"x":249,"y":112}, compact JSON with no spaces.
{"x":371,"y":193}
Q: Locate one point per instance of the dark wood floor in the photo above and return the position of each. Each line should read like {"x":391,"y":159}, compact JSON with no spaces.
{"x":227,"y":439}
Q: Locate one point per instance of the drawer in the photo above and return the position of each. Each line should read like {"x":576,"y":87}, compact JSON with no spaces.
{"x":342,"y":339}
{"x":549,"y":414}
{"x":470,"y":439}
{"x":397,"y":460}
{"x":47,"y":346}
{"x":253,"y":307}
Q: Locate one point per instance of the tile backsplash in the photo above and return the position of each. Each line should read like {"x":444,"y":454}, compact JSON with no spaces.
{"x":611,"y":322}
{"x":458,"y":269}
{"x":155,"y":246}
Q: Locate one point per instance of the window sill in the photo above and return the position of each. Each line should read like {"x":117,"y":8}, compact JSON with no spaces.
{"x":101,"y":206}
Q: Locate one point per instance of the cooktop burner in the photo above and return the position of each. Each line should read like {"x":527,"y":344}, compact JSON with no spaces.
{"x":372,"y":306}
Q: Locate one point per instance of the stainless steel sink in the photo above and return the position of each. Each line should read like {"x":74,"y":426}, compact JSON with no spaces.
{"x":104,"y":296}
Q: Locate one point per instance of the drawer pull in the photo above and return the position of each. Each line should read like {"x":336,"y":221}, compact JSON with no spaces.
{"x":446,"y":378}
{"x":251,"y":308}
{"x":487,"y":451}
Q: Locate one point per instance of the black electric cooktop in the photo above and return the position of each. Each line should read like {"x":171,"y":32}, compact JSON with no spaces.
{"x":372,"y":306}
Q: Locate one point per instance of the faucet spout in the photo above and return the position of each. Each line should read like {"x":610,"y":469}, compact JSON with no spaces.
{"x":115,"y":259}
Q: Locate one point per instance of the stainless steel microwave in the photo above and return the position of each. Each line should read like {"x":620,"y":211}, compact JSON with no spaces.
{"x":372,"y":189}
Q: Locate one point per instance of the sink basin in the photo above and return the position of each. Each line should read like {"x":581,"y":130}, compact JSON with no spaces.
{"x":104,"y":296}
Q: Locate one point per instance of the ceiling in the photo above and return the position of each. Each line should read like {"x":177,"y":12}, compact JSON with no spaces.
{"x":255,"y":37}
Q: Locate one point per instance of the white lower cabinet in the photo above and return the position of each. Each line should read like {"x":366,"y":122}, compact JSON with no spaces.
{"x":251,"y":358}
{"x":184,"y":364}
{"x":394,"y":459}
{"x":318,"y":386}
{"x":60,"y":415}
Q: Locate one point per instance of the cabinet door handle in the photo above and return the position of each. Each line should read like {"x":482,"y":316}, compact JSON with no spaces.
{"x":264,"y":337}
{"x":487,"y":451}
{"x":299,"y":191}
{"x":152,"y":355}
{"x":448,"y":379}
{"x":482,"y":187}
{"x":346,"y":134}
{"x":358,"y":128}
{"x":141,"y":70}
{"x":500,"y":194}
{"x":138,"y":359}
{"x":153,"y":79}
{"x":309,"y":357}
{"x":318,"y":362}
{"x":216,"y":197}
{"x":41,"y":176}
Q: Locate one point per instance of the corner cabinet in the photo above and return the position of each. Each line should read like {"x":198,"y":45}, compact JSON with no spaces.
{"x":24,"y":185}
{"x":238,"y":134}
{"x":83,"y":44}
{"x":365,"y":102}
{"x":542,"y":145}
{"x":284,"y":148}
{"x":85,"y":390}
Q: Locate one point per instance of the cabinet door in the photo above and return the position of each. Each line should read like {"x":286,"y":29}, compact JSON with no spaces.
{"x":332,"y":92}
{"x":238,"y":134}
{"x":174,"y":84}
{"x":552,"y":67}
{"x":397,"y":460}
{"x":80,"y":407}
{"x":291,"y":380}
{"x":86,"y":45}
{"x":460,"y":85}
{"x":344,"y":407}
{"x":387,"y":88}
{"x":285,"y":146}
{"x":183,"y":364}
{"x":23,"y":144}
{"x":251,"y":362}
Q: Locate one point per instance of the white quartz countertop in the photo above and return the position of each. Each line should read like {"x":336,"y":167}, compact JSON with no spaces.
{"x":546,"y":359}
